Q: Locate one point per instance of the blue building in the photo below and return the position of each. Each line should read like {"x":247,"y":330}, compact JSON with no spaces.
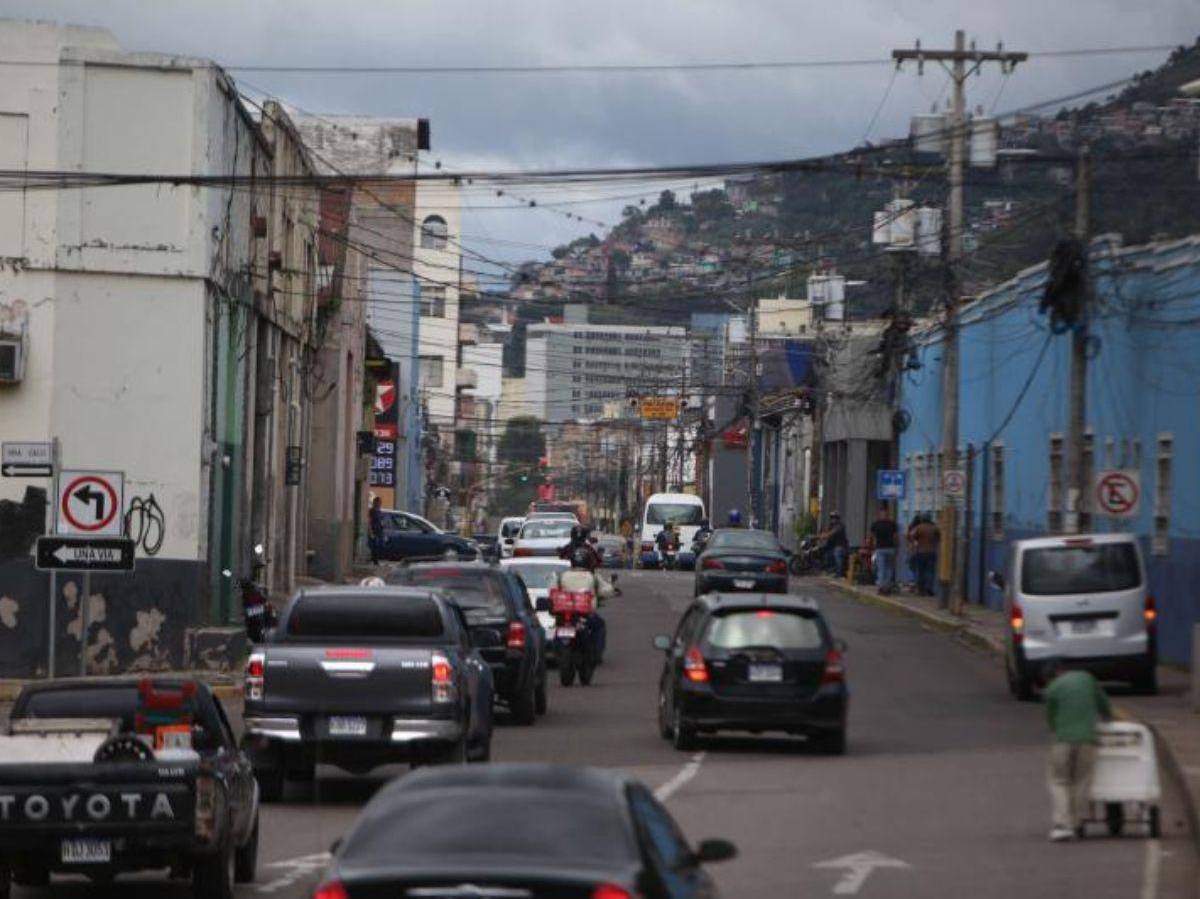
{"x":1143,"y":412}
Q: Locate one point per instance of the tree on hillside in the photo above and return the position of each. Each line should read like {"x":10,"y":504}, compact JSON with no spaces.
{"x":666,"y":201}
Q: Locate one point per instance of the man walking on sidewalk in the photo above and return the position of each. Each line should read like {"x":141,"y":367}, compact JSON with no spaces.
{"x":1075,"y":704}
{"x":924,"y":537}
{"x":883,"y":540}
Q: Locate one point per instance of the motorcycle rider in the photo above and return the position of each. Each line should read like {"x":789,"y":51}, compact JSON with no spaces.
{"x":581,"y":554}
{"x":735,"y":519}
{"x":666,"y":541}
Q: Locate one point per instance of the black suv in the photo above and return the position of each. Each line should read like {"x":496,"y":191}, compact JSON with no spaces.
{"x":753,"y":662}
{"x":504,"y":627}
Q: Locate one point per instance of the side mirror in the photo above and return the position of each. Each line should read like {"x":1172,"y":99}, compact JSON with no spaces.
{"x":996,"y":579}
{"x":543,"y":604}
{"x":662,"y":643}
{"x":710,"y":851}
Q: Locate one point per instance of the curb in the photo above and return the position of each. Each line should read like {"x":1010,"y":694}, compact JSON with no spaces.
{"x":962,"y":630}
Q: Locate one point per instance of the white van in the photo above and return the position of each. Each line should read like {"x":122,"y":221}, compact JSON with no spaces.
{"x":683,"y":510}
{"x":1083,"y":600}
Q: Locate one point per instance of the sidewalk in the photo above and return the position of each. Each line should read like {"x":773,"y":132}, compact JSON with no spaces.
{"x":1169,"y":714}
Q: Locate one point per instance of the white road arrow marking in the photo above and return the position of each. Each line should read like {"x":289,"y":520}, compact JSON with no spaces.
{"x":858,"y":868}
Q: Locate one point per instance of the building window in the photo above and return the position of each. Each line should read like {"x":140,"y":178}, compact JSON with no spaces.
{"x":1162,"y":495}
{"x":997,"y":487}
{"x":433,"y":301}
{"x":1089,"y":474}
{"x":434,"y":233}
{"x":1054,"y":498}
{"x":431,"y":371}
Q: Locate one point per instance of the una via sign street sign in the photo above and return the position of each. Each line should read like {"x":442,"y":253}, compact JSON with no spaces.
{"x":890,"y":484}
{"x":91,"y":503}
{"x":84,"y":554}
{"x":27,"y":460}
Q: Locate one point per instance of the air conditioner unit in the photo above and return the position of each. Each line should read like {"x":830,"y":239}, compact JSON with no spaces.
{"x":12,"y":359}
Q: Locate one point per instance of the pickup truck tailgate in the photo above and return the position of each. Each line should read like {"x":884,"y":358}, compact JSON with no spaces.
{"x":390,"y":681}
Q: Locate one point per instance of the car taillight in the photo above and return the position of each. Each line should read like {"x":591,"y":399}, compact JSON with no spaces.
{"x":1016,"y":621}
{"x":331,"y":890}
{"x":647,"y":546}
{"x":777,"y":567}
{"x":1150,"y":613}
{"x":835,"y":668}
{"x":712,"y":564}
{"x":694,"y":668}
{"x":611,"y":891}
{"x":349,"y":654}
{"x":522,"y":551}
{"x":442,"y":678}
{"x":516,"y":635}
{"x":255,"y":675}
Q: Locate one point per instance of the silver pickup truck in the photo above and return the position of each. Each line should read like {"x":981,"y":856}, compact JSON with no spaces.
{"x":360,"y":677}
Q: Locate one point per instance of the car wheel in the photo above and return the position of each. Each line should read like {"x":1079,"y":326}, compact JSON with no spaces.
{"x":1146,"y":682}
{"x":587,"y":668}
{"x":5,"y":883}
{"x":683,"y":735}
{"x":1020,"y":685}
{"x":540,"y":700}
{"x":245,"y":861}
{"x":524,"y":706}
{"x":832,"y":743}
{"x":212,"y":875}
{"x":664,"y":722}
{"x":1114,"y":817}
{"x":1155,"y":823}
{"x":31,"y":876}
{"x":270,"y":783}
{"x":481,"y":751}
{"x":454,"y":754}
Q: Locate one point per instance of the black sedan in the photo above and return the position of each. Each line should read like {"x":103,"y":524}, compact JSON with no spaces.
{"x":527,"y":831}
{"x":758,"y":663}
{"x":738,"y":559}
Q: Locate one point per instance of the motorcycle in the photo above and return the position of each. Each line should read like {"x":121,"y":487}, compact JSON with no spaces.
{"x":260,"y":616}
{"x":809,"y":558}
{"x":667,"y":554}
{"x":576,"y":635}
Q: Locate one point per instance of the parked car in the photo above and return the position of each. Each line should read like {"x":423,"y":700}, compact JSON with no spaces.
{"x":739,"y":559}
{"x":97,"y":778}
{"x":506,"y":534}
{"x":539,"y":575}
{"x":503,"y":623}
{"x":409,"y":536}
{"x":549,"y":831}
{"x":684,"y":510}
{"x":1084,"y":600}
{"x":360,"y":677}
{"x":753,"y":662}
{"x":542,"y":538}
{"x":612,"y":550}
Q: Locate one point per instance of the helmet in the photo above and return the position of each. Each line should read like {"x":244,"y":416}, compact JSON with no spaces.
{"x":735,"y":517}
{"x":578,"y":532}
{"x":581,"y":557}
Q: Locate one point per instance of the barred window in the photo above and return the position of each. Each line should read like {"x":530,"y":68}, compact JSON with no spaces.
{"x":1162,"y":495}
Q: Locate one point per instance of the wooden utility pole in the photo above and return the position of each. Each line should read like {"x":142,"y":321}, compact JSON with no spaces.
{"x":752,"y":415}
{"x":960,"y":63}
{"x":1077,"y":399}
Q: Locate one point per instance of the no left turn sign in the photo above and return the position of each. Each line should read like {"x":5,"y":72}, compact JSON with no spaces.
{"x":91,"y":502}
{"x":1119,"y":492}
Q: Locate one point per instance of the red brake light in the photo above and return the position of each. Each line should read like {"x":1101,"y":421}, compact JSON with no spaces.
{"x":611,"y":891}
{"x":1150,"y":612}
{"x":255,"y":668}
{"x":712,"y":563}
{"x":694,"y":668}
{"x":255,"y":676}
{"x":1016,"y":621}
{"x":348,"y":654}
{"x":522,"y":551}
{"x":441,"y":671}
{"x":1078,"y":541}
{"x":835,"y":668}
{"x":516,"y":635}
{"x":765,"y":613}
{"x":777,"y":567}
{"x":331,"y":890}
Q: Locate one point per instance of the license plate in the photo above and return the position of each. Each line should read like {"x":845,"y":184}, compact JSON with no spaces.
{"x":565,"y":633}
{"x":85,"y":851}
{"x":744,"y":584}
{"x":347,"y":726}
{"x":1084,"y":627}
{"x":766,"y":674}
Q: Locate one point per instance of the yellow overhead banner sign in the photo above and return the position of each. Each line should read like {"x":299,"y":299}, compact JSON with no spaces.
{"x":659,"y":408}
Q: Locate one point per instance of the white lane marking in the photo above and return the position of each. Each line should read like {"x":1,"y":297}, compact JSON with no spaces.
{"x":686,"y":773}
{"x":298,"y":868}
{"x":858,"y":868}
{"x":1150,"y":871}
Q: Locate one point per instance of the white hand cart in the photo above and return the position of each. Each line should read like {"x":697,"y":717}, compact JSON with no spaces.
{"x":1125,"y":785}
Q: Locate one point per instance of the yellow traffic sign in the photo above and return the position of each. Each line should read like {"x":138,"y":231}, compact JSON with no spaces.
{"x":659,"y":408}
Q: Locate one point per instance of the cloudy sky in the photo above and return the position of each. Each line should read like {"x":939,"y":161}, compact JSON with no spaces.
{"x":538,"y":120}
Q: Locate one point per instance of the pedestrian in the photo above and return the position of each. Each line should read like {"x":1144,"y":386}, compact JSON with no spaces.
{"x":627,"y":533}
{"x":1075,"y":704}
{"x":375,"y":528}
{"x":883,"y":541}
{"x":924,"y":538}
{"x":836,"y":544}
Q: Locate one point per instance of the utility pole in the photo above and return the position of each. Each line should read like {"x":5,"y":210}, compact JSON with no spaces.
{"x":752,"y":416}
{"x":1077,"y":400}
{"x":960,"y":63}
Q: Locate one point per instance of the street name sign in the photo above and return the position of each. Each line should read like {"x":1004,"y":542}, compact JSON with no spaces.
{"x":1119,"y":492}
{"x":84,"y":554}
{"x":27,"y":460}
{"x":91,"y":503}
{"x":890,"y":484}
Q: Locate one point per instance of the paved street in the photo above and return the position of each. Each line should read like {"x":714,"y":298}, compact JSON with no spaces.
{"x":944,"y":774}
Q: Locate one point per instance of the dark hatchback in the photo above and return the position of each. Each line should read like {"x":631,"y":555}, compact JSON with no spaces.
{"x":738,"y":559}
{"x":566,"y":833}
{"x":503,"y":624}
{"x":753,"y":662}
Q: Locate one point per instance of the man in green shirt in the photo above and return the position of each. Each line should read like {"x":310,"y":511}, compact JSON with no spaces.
{"x":1075,"y":704}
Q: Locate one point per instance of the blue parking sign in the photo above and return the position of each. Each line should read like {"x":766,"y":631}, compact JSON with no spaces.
{"x":890,"y":484}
